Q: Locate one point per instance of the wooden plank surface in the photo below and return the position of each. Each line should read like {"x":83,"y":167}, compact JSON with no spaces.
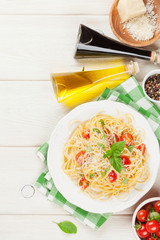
{"x":41,"y":227}
{"x":32,"y":47}
{"x":55,"y":7}
{"x":30,"y":112}
{"x":37,"y":38}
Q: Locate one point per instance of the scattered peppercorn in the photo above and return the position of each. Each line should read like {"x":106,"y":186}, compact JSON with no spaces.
{"x":152,"y":87}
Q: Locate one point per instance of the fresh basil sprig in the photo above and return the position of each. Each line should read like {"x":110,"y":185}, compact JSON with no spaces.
{"x":114,"y":155}
{"x":67,"y":227}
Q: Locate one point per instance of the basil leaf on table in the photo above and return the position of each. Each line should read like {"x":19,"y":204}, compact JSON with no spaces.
{"x":67,"y":227}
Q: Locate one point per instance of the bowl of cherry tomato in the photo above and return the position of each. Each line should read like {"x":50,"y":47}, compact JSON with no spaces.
{"x":146,"y":220}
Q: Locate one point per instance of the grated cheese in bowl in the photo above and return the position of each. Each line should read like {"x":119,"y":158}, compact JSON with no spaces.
{"x":143,"y":28}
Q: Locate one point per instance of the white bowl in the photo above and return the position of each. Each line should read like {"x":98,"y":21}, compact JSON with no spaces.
{"x":150,"y":200}
{"x":156,"y":71}
{"x":62,"y":133}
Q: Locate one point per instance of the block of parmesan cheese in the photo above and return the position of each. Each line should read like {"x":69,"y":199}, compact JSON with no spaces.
{"x":129,"y":9}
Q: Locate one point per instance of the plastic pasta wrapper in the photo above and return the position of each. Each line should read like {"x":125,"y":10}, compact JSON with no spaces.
{"x":75,"y":88}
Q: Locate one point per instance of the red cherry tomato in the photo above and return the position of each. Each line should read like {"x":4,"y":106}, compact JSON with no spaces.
{"x":83,"y":183}
{"x":148,"y":207}
{"x":152,"y":226}
{"x":113,"y":138}
{"x":112,"y":176}
{"x":86,"y":134}
{"x":142,"y":231}
{"x":157,"y":206}
{"x":142,"y":215}
{"x":125,"y":160}
{"x":79,"y":157}
{"x":128,"y":138}
{"x":142,"y":148}
{"x":158,"y":233}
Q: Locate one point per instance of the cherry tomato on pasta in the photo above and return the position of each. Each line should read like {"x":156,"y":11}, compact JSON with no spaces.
{"x":86,"y":134}
{"x":142,"y":231}
{"x":157,"y":206}
{"x":113,"y":138}
{"x":142,"y":148}
{"x":79,"y":157}
{"x":142,"y":215}
{"x":83,"y":183}
{"x":128,"y":138}
{"x":125,"y":160}
{"x":158,"y":233}
{"x":152,"y":226}
{"x":112,"y":176}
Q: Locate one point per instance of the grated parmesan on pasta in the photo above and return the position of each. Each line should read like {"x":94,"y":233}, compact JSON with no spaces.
{"x":143,"y":28}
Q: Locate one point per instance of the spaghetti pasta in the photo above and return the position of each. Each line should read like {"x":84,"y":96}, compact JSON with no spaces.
{"x":106,"y":156}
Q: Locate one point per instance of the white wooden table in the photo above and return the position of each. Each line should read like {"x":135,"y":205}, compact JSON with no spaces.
{"x":38,"y":37}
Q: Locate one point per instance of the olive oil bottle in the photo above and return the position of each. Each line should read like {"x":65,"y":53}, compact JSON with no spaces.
{"x":75,"y":88}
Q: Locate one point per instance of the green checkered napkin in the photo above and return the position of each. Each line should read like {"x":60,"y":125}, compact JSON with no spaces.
{"x":130,"y":93}
{"x":46,"y":185}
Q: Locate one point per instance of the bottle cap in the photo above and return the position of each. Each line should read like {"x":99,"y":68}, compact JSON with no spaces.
{"x":155,"y":56}
{"x":132,"y":67}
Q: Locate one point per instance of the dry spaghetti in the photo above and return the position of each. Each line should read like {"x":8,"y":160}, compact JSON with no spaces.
{"x":106,"y":156}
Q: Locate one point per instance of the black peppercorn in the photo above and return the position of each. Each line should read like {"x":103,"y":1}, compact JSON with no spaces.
{"x":152,"y":87}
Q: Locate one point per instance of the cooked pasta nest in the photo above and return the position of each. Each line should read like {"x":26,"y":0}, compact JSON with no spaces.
{"x":91,"y":171}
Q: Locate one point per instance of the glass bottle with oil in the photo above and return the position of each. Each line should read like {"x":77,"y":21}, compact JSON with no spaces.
{"x":75,"y":88}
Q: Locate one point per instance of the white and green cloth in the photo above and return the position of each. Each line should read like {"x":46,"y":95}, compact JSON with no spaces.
{"x":130,"y":93}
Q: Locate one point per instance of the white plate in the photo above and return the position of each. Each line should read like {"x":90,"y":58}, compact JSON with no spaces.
{"x":62,"y":133}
